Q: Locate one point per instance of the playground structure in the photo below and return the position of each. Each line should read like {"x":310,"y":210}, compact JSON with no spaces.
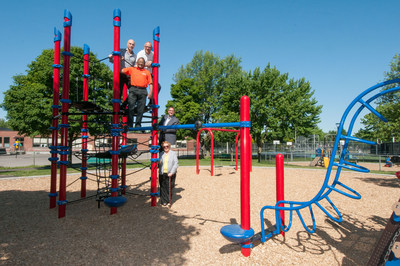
{"x":115,"y":185}
{"x":210,"y":131}
{"x":319,"y":159}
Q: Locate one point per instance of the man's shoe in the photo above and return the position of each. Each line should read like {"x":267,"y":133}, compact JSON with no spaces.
{"x":126,"y":129}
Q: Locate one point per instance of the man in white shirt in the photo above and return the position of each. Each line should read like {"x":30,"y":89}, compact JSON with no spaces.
{"x":147,"y":55}
{"x":128,"y":59}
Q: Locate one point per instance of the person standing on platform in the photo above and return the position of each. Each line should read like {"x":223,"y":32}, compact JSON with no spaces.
{"x":128,"y":59}
{"x":168,"y":167}
{"x":140,"y":80}
{"x":169,"y":120}
{"x":148,"y":56}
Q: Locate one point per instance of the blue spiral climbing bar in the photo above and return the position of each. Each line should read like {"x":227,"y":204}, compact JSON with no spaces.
{"x":361,"y":102}
{"x":342,"y":160}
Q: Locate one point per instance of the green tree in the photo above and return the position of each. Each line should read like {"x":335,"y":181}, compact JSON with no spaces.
{"x":197,"y":89}
{"x":28,"y":101}
{"x":3,"y":123}
{"x":389,"y":107}
{"x":278,"y":106}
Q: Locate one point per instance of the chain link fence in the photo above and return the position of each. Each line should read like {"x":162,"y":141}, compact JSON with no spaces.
{"x":305,"y":149}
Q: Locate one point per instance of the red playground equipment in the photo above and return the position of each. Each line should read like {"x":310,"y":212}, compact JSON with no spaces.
{"x":114,"y":192}
{"x":117,"y":188}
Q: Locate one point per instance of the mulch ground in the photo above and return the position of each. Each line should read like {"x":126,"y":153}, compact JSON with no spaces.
{"x":188,"y":233}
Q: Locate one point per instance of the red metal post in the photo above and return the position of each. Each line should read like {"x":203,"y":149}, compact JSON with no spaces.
{"x":251,"y":153}
{"x":85,"y":97}
{"x":124,"y":142}
{"x":212,"y":152}
{"x":245,"y":168}
{"x":237,"y":152}
{"x":154,"y":155}
{"x":212,"y":146}
{"x":54,"y":134}
{"x":197,"y":151}
{"x":115,"y":121}
{"x":280,"y":195}
{"x":64,"y":118}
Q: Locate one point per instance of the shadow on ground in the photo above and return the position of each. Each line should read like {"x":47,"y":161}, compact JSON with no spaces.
{"x":352,"y":237}
{"x":137,"y":234}
{"x":384,"y":181}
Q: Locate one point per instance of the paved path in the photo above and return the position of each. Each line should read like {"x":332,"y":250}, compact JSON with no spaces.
{"x":40,"y":159}
{"x":27,"y":160}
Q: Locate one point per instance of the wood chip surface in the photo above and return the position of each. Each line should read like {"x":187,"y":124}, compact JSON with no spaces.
{"x":189,"y":232}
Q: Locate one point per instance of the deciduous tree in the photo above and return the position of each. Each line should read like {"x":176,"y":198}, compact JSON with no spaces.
{"x":28,"y":101}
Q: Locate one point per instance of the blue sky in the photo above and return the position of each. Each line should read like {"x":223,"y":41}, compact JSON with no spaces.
{"x":340,"y":47}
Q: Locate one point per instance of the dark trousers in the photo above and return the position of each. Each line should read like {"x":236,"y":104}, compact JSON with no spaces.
{"x":123,"y":80}
{"x":136,"y":97}
{"x":165,"y":188}
{"x":170,"y":137}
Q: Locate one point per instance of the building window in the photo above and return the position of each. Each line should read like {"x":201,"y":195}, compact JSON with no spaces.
{"x":77,"y":144}
{"x":6,"y":142}
{"x":103,"y":143}
{"x":181,"y":144}
{"x":131,"y":141}
{"x":1,"y":142}
{"x":41,"y":142}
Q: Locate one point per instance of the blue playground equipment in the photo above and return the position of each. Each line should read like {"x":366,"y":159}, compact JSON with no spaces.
{"x":331,"y":184}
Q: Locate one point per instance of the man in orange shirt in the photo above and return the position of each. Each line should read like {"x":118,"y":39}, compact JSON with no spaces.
{"x":140,"y":79}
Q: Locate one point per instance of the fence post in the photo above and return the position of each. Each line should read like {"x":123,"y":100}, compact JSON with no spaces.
{"x":379,"y":163}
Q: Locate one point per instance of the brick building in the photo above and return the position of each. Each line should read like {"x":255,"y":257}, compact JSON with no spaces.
{"x":40,"y":144}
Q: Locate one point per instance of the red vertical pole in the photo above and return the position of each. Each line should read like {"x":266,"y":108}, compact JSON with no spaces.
{"x":197,"y":151}
{"x":85,"y":97}
{"x":154,"y":155}
{"x":212,"y":152}
{"x":124,"y":143}
{"x":54,"y":134}
{"x":245,"y":168}
{"x":116,"y":100}
{"x":237,"y":152}
{"x":280,"y":195}
{"x":251,"y":153}
{"x":64,"y":118}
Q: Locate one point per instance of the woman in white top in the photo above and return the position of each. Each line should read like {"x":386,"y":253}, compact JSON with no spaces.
{"x":167,"y":171}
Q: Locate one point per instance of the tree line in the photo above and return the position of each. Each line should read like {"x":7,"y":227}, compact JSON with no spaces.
{"x":207,"y":89}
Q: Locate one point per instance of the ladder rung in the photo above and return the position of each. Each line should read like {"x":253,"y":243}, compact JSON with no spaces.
{"x":352,"y":166}
{"x":358,"y":139}
{"x":354,"y":194}
{"x":369,"y":107}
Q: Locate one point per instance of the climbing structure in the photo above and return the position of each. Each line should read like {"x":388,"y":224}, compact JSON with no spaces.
{"x":110,"y":155}
{"x":331,"y":181}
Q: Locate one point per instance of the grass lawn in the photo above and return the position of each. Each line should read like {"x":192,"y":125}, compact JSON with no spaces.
{"x":46,"y":170}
